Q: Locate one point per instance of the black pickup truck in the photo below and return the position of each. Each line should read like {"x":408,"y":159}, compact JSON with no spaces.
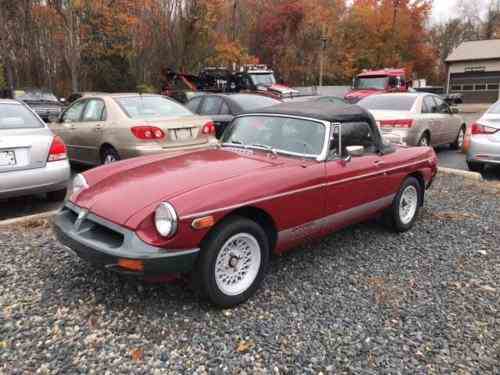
{"x":43,"y":102}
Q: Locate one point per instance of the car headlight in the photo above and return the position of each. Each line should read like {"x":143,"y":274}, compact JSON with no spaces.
{"x":79,"y":184}
{"x":166,"y":220}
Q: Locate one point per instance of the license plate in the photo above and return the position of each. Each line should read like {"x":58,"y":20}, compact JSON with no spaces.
{"x":183,"y":134}
{"x":7,"y":158}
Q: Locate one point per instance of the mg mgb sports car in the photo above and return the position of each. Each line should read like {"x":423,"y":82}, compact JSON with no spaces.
{"x":286,"y":174}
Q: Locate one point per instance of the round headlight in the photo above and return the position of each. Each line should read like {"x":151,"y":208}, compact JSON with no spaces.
{"x":166,"y":220}
{"x":79,"y":184}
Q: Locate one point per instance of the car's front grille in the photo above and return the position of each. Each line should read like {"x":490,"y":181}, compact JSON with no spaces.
{"x":88,"y":226}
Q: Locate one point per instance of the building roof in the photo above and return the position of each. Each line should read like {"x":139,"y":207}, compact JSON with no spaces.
{"x":476,"y":50}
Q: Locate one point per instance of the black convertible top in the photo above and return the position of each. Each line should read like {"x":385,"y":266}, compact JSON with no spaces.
{"x":332,"y":112}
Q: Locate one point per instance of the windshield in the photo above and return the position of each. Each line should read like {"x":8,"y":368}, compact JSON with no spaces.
{"x":263,"y":79}
{"x":249,"y":102}
{"x":142,"y":107}
{"x":495,"y":109}
{"x":388,"y":102}
{"x":282,"y":134}
{"x":35,"y":96}
{"x":378,"y":83}
{"x":17,"y":116}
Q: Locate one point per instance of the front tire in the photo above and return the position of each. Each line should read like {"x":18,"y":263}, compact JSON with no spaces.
{"x":475,"y":167}
{"x":233,"y":262}
{"x":402,"y":214}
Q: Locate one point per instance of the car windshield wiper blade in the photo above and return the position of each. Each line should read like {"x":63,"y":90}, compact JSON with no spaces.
{"x":235,"y":142}
{"x":265,"y":147}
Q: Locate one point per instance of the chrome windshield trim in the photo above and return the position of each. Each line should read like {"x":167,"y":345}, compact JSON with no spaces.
{"x":322,"y":156}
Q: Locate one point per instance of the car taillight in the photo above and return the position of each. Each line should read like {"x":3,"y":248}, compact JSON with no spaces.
{"x":405,"y":124}
{"x":148,"y":132}
{"x":58,"y":150}
{"x":482,"y":129}
{"x":208,"y":128}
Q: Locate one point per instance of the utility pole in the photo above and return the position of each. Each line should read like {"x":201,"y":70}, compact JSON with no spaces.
{"x":324,"y":40}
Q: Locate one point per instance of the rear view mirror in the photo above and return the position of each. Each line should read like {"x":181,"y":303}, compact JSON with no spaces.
{"x":53,"y":119}
{"x":455,"y":110}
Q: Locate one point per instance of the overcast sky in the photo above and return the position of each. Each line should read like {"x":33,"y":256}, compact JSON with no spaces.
{"x":445,"y":9}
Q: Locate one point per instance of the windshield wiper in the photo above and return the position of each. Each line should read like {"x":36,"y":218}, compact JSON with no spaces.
{"x":235,"y":142}
{"x":265,"y":147}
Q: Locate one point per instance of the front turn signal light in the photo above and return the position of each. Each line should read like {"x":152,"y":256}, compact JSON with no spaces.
{"x":203,"y":222}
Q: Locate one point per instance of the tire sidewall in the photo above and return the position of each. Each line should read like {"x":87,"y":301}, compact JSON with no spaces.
{"x":109,"y":151}
{"x":398,"y":224}
{"x":426,"y":136}
{"x":210,"y":250}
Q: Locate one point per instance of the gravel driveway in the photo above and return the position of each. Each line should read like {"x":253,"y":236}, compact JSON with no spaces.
{"x":363,"y":301}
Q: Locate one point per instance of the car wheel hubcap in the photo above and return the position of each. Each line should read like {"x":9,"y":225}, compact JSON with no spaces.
{"x":424,"y":142}
{"x":237,"y":264}
{"x":408,"y":204}
{"x":108,"y":159}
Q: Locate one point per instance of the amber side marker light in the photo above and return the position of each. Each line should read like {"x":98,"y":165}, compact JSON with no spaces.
{"x":130,"y":264}
{"x":203,"y":222}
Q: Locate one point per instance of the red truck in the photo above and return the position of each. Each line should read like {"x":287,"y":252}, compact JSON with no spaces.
{"x":371,"y":82}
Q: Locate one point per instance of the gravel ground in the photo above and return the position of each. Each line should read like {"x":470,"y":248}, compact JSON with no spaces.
{"x":361,"y":301}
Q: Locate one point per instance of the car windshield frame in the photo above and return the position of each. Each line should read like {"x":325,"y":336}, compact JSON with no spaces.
{"x":142,"y":116}
{"x":384,"y":80}
{"x":322,"y":156}
{"x":390,"y":100}
{"x":266,"y":82}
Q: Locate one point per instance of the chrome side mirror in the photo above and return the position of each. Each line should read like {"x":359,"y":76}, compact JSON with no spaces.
{"x":355,"y":150}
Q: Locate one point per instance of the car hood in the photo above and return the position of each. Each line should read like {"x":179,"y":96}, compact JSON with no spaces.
{"x":118,"y":191}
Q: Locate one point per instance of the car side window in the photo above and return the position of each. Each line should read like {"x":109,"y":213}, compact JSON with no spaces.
{"x":429,"y":105}
{"x":224,"y":109}
{"x":74,"y":113}
{"x":441,"y":105}
{"x":211,"y":105}
{"x":355,"y":134}
{"x":93,"y":111}
{"x":193,"y":104}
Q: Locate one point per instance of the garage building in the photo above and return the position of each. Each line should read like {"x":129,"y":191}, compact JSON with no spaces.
{"x":474,"y":71}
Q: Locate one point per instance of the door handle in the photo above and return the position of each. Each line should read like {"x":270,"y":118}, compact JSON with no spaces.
{"x":378,"y":163}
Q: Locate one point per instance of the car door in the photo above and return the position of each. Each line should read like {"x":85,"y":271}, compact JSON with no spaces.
{"x":432,"y":119}
{"x":67,"y":125}
{"x":356,"y":188}
{"x":87,"y":133}
{"x":450,"y":124}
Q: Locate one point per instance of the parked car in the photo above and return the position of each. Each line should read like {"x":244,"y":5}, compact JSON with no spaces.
{"x":223,"y":107}
{"x":483,"y":140}
{"x":78,"y":95}
{"x":42,"y":101}
{"x":416,"y":119}
{"x":32,"y":160}
{"x":319,"y":98}
{"x":105,"y":128}
{"x":286,"y":174}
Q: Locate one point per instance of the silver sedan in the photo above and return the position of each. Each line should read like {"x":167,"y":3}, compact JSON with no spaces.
{"x":416,"y":119}
{"x":32,"y":159}
{"x":482,"y":142}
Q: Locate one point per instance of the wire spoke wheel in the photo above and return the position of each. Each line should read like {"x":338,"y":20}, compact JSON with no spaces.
{"x":237,"y":264}
{"x":408,"y":204}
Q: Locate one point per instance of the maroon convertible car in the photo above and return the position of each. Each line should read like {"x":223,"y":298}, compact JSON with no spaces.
{"x":280,"y":176}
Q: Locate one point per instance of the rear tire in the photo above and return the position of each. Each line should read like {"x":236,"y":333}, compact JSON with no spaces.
{"x":109,"y":155}
{"x":475,"y":167}
{"x":459,"y":142}
{"x":233,"y":262}
{"x":402,"y":214}
{"x":424,"y":140}
{"x":57,"y":196}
